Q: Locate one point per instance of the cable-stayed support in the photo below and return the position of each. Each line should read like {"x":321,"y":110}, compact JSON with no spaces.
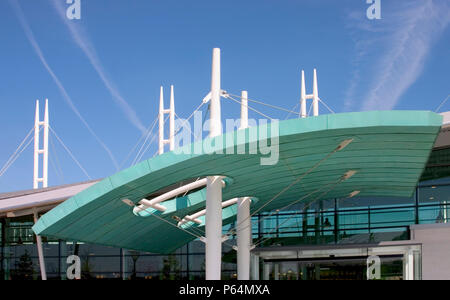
{"x":142,"y":153}
{"x":16,"y":153}
{"x":266,"y":104}
{"x":176,"y":132}
{"x":179,"y":129}
{"x":292,"y":111}
{"x":227,"y":96}
{"x":58,"y":164}
{"x":327,"y":107}
{"x":70,"y":153}
{"x":143,"y":136}
{"x":22,"y":146}
{"x":442,"y":103}
{"x":314,"y":96}
{"x":38,"y":151}
{"x":147,"y":136}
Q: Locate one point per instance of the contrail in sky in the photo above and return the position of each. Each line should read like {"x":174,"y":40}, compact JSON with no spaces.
{"x":37,"y":49}
{"x":404,"y":38}
{"x":88,"y":49}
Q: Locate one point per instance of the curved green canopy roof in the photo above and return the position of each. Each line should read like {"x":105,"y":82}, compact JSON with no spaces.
{"x":389,"y":152}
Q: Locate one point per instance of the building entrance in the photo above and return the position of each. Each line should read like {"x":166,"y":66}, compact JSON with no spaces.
{"x":355,"y":263}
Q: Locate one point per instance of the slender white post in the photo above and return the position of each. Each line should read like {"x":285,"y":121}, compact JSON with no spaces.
{"x":161,"y":121}
{"x":244,"y":238}
{"x":409,"y":265}
{"x":45,"y":150}
{"x":244,"y":227}
{"x":244,"y":110}
{"x":36,"y":147}
{"x":213,"y":228}
{"x":172,"y":120}
{"x":266,"y":271}
{"x":276,"y":270}
{"x":303,"y":97}
{"x":40,"y":251}
{"x":215,"y":120}
{"x":213,"y":218}
{"x":36,"y":178}
{"x":162,"y":112}
{"x":315,"y":95}
{"x":255,"y":267}
{"x":37,"y":150}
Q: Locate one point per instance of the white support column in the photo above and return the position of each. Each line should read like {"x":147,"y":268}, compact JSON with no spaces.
{"x":244,"y":226}
{"x":172,"y":120}
{"x":303,"y":113}
{"x":409,"y":265}
{"x":36,"y":147}
{"x":244,"y":238}
{"x":45,"y":150}
{"x":213,"y":218}
{"x":213,"y":228}
{"x":124,"y":264}
{"x":315,"y":95}
{"x":267,"y":266}
{"x":63,"y":258}
{"x":40,"y":251}
{"x":244,"y":110}
{"x":276,"y":271}
{"x":161,"y":121}
{"x":254,"y":267}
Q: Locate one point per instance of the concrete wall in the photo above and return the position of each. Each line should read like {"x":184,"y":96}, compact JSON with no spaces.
{"x":435,"y":240}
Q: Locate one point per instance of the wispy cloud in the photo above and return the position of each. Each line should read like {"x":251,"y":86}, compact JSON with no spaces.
{"x":81,"y":39}
{"x":391,"y":52}
{"x":30,"y":36}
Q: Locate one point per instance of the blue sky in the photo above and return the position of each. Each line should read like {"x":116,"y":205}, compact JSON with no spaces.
{"x":102,"y":73}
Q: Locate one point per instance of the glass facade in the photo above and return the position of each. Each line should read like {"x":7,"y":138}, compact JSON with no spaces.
{"x":331,"y":222}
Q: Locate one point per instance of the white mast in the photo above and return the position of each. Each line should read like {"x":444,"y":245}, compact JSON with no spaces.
{"x":243,"y":227}
{"x":244,"y":110}
{"x":314,"y":96}
{"x":172,"y":120}
{"x":45,"y":150}
{"x":36,"y":147}
{"x":303,"y":112}
{"x":162,"y":112}
{"x":37,"y":150}
{"x":44,"y":178}
{"x":213,"y":218}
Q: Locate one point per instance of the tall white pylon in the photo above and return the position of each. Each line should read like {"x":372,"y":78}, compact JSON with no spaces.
{"x":172,"y":120}
{"x":244,"y":227}
{"x":37,"y":150}
{"x":213,"y":217}
{"x":162,"y":112}
{"x":314,"y":96}
{"x":44,"y":178}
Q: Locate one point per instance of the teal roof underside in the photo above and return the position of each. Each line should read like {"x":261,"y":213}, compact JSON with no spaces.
{"x":389,"y":153}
